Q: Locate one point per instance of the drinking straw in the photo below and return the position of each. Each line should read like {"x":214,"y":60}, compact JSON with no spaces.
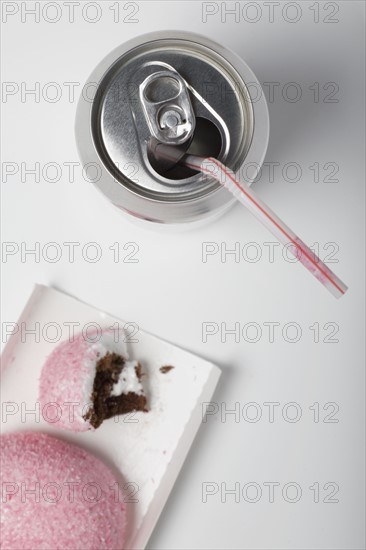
{"x":264,"y":214}
{"x":244,"y":194}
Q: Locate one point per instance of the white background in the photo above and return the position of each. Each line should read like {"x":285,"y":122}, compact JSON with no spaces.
{"x":171,"y":292}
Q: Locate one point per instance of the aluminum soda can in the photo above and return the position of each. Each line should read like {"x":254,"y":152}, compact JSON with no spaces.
{"x":183,"y":90}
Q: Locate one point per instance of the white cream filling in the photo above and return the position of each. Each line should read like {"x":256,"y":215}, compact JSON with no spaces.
{"x":128,"y":380}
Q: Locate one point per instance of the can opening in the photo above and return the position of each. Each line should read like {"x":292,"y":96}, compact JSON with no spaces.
{"x":206,"y":142}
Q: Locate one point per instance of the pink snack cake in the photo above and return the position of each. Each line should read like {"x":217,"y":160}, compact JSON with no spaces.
{"x":57,"y":496}
{"x":90,"y":380}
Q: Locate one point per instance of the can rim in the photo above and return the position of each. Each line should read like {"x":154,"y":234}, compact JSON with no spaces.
{"x":170,"y":212}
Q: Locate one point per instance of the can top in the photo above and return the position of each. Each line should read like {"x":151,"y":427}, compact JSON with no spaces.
{"x":176,"y":88}
{"x":152,"y":88}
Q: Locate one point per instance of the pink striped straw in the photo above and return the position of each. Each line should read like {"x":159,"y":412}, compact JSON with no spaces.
{"x":244,"y":194}
{"x":264,"y":214}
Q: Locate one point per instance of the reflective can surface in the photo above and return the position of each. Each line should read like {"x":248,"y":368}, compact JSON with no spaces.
{"x":181,"y":89}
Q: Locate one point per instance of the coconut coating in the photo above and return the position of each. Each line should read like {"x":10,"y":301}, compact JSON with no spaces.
{"x":66,"y":381}
{"x":57,"y":496}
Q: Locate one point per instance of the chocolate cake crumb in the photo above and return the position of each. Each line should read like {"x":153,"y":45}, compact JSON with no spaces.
{"x":166,"y":369}
{"x":105,"y":405}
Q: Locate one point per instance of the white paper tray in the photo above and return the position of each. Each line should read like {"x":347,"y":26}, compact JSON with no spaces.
{"x":149,"y":452}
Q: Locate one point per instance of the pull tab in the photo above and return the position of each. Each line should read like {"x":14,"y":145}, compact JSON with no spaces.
{"x":167,"y":107}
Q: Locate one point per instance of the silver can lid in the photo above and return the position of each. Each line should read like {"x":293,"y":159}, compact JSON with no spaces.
{"x":180,"y":89}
